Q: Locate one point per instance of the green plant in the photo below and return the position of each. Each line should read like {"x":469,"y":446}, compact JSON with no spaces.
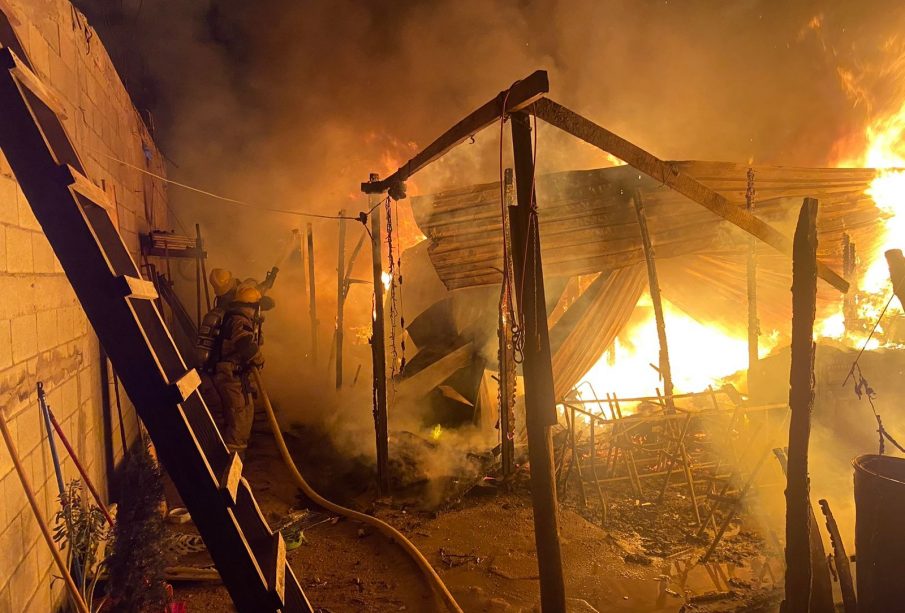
{"x":80,"y":528}
{"x":136,"y":566}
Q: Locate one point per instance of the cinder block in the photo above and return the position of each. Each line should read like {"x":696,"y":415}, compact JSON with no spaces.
{"x":24,"y":581}
{"x":6,"y":345}
{"x":24,"y":337}
{"x":48,"y":334}
{"x":11,"y":546}
{"x":26,"y":217}
{"x":2,"y":248}
{"x":9,"y":213}
{"x":19,"y":256}
{"x":42,"y":253}
{"x":31,"y":433}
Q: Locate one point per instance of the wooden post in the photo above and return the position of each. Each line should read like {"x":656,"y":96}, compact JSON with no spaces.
{"x":201,"y":257}
{"x":198,"y":279}
{"x":753,"y":323}
{"x":801,"y":402}
{"x":340,"y":297}
{"x":312,"y":298}
{"x":843,"y":568}
{"x":506,"y":349}
{"x":657,"y":300}
{"x":540,"y":403}
{"x":378,"y":347}
{"x":849,"y":308}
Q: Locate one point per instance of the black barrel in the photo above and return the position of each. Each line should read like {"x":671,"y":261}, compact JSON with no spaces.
{"x":880,"y":532}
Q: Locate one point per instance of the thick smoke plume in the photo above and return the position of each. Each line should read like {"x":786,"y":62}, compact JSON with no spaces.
{"x":291,"y":105}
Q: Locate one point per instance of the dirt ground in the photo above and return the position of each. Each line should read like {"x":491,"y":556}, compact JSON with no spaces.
{"x":482,"y":545}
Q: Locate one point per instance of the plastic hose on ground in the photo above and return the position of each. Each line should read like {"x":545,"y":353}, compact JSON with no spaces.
{"x":387,"y":530}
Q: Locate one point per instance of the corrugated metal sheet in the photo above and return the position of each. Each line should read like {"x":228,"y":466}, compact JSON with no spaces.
{"x":588,"y":224}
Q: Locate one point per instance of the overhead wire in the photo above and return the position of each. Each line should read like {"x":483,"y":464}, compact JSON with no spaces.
{"x":235,"y":201}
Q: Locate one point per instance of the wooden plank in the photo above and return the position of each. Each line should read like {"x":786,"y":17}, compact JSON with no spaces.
{"x":668,"y":174}
{"x":35,"y":85}
{"x":229,"y":480}
{"x":520,"y":94}
{"x":83,"y":186}
{"x":187,"y":384}
{"x":133,"y":287}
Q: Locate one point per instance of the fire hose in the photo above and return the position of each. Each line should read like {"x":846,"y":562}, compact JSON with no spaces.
{"x":387,"y":530}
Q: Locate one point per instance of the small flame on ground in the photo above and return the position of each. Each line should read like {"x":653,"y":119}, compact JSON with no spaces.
{"x":436,"y":432}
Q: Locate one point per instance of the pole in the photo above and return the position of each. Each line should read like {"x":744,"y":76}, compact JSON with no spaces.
{"x":753,"y":323}
{"x":58,"y":472}
{"x":657,"y":300}
{"x":312,"y":301}
{"x":201,"y":258}
{"x":378,"y":348}
{"x":507,"y":357}
{"x":78,"y":465}
{"x":801,"y":402}
{"x":540,"y":403}
{"x":45,"y":531}
{"x":340,"y":297}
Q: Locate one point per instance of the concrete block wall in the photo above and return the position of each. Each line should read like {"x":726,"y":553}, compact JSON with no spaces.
{"x":44,"y":334}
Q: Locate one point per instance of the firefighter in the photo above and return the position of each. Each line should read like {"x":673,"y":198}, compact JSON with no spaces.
{"x":236,"y":352}
{"x":225,"y":286}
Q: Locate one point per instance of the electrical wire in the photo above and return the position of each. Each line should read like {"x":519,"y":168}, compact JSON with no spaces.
{"x":229,"y":200}
{"x":387,"y":530}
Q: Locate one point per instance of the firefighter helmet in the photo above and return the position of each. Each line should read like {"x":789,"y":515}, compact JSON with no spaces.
{"x":248,"y":294}
{"x":222,"y":281}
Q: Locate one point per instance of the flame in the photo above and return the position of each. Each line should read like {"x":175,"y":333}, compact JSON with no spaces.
{"x":885,"y":151}
{"x":436,"y":432}
{"x":387,"y":279}
{"x":700,"y":355}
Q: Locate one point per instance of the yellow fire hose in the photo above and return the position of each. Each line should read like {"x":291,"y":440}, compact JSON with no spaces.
{"x":387,"y":530}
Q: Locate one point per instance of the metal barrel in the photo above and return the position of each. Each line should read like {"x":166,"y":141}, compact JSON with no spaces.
{"x":880,"y":532}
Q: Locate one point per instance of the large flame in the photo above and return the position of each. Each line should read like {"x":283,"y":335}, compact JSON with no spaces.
{"x":700,"y":355}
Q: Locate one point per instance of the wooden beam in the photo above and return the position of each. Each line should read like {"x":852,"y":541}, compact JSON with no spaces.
{"x":378,"y":349}
{"x":653,"y":285}
{"x":340,"y":297}
{"x":520,"y":94}
{"x":751,"y":265}
{"x":593,"y":134}
{"x":537,"y":367}
{"x":801,"y":402}
{"x":312,"y":298}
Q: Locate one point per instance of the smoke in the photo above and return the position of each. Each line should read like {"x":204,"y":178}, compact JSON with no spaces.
{"x":290,"y":105}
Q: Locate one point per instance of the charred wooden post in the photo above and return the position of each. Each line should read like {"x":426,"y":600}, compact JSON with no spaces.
{"x":312,"y":298}
{"x":378,"y":348}
{"x":506,"y":347}
{"x":657,"y":300}
{"x":540,"y":402}
{"x":340,"y":297}
{"x":843,"y":568}
{"x":849,"y":263}
{"x":896,"y":262}
{"x":753,"y":322}
{"x":801,"y":402}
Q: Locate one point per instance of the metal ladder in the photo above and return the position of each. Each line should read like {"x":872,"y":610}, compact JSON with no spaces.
{"x":73,"y":212}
